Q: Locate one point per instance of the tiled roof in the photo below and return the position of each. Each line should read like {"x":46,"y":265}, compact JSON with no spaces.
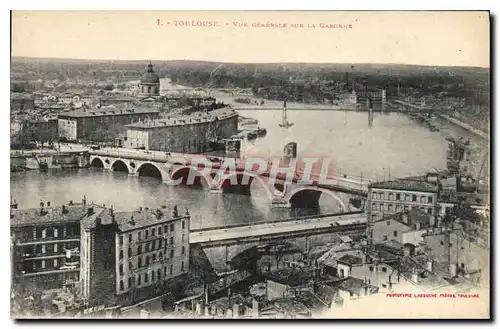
{"x":34,"y":216}
{"x":108,"y":111}
{"x":356,"y":286}
{"x":406,"y":184}
{"x":350,"y":259}
{"x":146,"y":217}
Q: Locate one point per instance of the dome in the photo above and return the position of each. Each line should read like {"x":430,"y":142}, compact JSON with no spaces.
{"x":150,"y":76}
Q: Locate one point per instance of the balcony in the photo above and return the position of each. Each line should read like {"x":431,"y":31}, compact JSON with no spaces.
{"x":48,"y":240}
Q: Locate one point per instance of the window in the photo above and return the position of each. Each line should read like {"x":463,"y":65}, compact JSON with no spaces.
{"x":183,"y":224}
{"x":388,"y":223}
{"x":398,"y":208}
{"x":172,"y":253}
{"x":121,"y":239}
{"x":183,"y":237}
{"x":414,"y":198}
{"x":395,"y":233}
{"x":147,"y":260}
{"x":158,"y":274}
{"x":139,"y":262}
{"x":43,"y":264}
{"x":153,"y":232}
{"x":429,"y":211}
{"x":121,"y":285}
{"x":130,"y":282}
{"x":442,"y":243}
{"x":146,"y":234}
{"x":165,"y":271}
{"x":44,"y":234}
{"x":160,"y":243}
{"x":183,"y":250}
{"x":398,"y":196}
{"x":55,"y":262}
{"x":182,"y":266}
{"x":55,"y":247}
{"x":172,"y":240}
{"x":129,"y":252}
{"x":370,"y":268}
{"x":374,"y":195}
{"x":172,"y":227}
{"x":407,"y":197}
{"x":165,"y":228}
{"x":139,"y":280}
{"x":160,"y":255}
{"x":148,"y":246}
{"x":146,"y":278}
{"x":159,"y":230}
{"x":152,"y":276}
{"x":429,"y":199}
{"x":154,"y":257}
{"x":139,"y":236}
{"x":384,"y":238}
{"x":384,"y":269}
{"x":381,"y":195}
{"x":130,"y":238}
{"x":153,"y":245}
{"x":422,"y":199}
{"x":130,"y":266}
{"x":139,"y":250}
{"x":374,"y":206}
{"x":121,"y":268}
{"x":391,"y":196}
{"x":389,"y":207}
{"x":121,"y":254}
{"x":56,"y":233}
{"x":171,"y":269}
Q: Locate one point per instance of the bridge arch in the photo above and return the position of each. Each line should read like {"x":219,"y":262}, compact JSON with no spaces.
{"x":97,"y":163}
{"x":149,"y":170}
{"x":184,"y":172}
{"x":223,"y":184}
{"x":120,"y":165}
{"x":308,"y":196}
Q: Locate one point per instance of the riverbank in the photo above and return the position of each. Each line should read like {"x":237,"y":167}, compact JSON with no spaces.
{"x":465,"y":126}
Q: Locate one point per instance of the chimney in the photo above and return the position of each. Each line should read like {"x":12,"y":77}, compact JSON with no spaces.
{"x":41,"y":204}
{"x":48,"y":203}
{"x":90,"y":211}
{"x":430,"y":266}
{"x":13,"y":205}
{"x":64,"y":210}
{"x":111,"y":211}
{"x":414,"y":275}
{"x":84,"y":200}
{"x":70,"y":202}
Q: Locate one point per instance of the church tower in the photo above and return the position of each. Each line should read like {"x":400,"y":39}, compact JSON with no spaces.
{"x":150,"y":82}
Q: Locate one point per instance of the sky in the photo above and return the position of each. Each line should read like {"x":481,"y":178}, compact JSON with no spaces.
{"x":421,"y":38}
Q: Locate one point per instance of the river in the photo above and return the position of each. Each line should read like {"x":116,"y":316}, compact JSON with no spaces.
{"x":394,"y":146}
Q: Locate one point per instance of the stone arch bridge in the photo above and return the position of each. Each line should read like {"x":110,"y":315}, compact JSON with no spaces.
{"x":349,"y":193}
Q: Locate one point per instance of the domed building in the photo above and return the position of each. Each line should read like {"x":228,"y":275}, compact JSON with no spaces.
{"x":150,"y":83}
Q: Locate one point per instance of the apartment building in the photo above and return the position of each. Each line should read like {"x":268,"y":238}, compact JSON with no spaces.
{"x":45,"y":246}
{"x":136,"y":252}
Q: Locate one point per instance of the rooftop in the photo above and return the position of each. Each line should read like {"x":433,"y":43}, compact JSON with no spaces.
{"x":132,"y":220}
{"x":356,"y":286}
{"x":35,"y":216}
{"x":407,"y":184}
{"x":350,"y":260}
{"x":111,"y":110}
{"x":194,"y":118}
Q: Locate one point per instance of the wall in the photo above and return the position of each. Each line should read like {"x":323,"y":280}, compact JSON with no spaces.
{"x":383,"y":231}
{"x":413,"y":237}
{"x":67,"y":129}
{"x":384,"y":201}
{"x":138,"y":138}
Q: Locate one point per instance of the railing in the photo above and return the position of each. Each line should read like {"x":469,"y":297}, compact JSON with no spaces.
{"x":287,"y":220}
